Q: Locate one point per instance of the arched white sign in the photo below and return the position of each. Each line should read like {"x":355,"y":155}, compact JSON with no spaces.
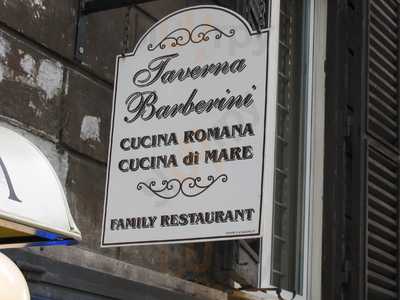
{"x":187,"y":156}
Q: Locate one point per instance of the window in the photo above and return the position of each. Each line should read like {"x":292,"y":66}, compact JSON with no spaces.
{"x":293,"y":222}
{"x":292,"y":263}
{"x":289,"y":197}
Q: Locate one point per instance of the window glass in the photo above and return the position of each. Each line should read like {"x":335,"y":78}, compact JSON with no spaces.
{"x":288,"y":228}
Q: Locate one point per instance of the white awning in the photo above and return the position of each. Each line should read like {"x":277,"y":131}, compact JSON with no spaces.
{"x":33,"y":206}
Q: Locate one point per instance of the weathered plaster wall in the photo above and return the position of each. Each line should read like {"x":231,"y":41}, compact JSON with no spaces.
{"x":65,"y":105}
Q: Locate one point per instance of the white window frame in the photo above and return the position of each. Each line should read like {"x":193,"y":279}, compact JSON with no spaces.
{"x":314,"y":156}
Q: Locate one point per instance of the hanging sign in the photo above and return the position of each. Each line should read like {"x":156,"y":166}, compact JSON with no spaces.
{"x":189,"y":144}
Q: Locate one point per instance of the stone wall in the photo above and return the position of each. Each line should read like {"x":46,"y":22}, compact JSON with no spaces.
{"x":64,"y":105}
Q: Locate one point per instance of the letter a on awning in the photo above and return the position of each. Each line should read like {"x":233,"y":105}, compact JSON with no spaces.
{"x":33,"y":206}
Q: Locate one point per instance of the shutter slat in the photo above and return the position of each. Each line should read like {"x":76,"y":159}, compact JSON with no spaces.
{"x":390,"y":12}
{"x":383,"y":71}
{"x":379,"y":242}
{"x":382,"y":268}
{"x":381,"y":166}
{"x":382,"y":281}
{"x":382,"y":218}
{"x":379,"y":80}
{"x":379,"y":36}
{"x":382,"y":49}
{"x":385,"y":183}
{"x":383,"y":107}
{"x":377,"y":289}
{"x":384,"y":60}
{"x":382,"y":133}
{"x":378,"y":228}
{"x":379,"y":192}
{"x":383,"y":95}
{"x":387,"y":25}
{"x":377,"y":247}
{"x":382,"y":257}
{"x":392,"y":3}
{"x":383,"y":206}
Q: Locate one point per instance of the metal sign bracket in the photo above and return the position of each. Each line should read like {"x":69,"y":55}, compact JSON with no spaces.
{"x":256,"y":10}
{"x":88,"y":7}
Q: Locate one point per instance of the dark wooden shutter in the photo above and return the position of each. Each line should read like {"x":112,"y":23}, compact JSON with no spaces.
{"x":361,"y":255}
{"x":382,"y":150}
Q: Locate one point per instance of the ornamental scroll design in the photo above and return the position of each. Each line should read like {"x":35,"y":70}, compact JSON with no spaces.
{"x":190,"y":187}
{"x":182,"y":36}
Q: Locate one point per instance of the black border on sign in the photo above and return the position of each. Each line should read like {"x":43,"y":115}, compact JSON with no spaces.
{"x":211,"y":238}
